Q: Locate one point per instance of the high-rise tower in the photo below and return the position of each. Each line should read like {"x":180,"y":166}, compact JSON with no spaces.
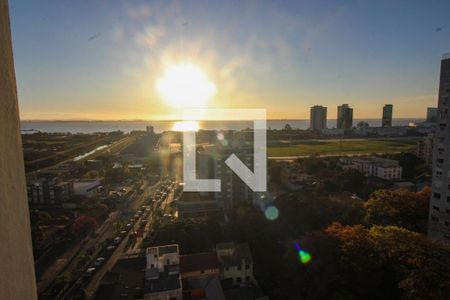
{"x":318,"y":118}
{"x":439,"y":218}
{"x":386,"y":120}
{"x":344,"y":116}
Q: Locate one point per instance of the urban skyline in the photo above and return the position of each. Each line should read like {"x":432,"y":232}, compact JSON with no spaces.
{"x":109,"y":57}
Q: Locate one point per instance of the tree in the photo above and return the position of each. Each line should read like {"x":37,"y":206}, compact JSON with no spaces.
{"x":193,"y":235}
{"x":362,"y":124}
{"x":312,"y":165}
{"x":115,"y":175}
{"x":84,"y":224}
{"x":288,"y":127}
{"x":351,"y":181}
{"x":44,"y":217}
{"x":412,"y":165}
{"x":92,"y":174}
{"x":381,"y":262}
{"x":398,"y":207}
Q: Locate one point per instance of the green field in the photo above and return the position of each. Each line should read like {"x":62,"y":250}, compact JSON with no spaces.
{"x":342,"y":146}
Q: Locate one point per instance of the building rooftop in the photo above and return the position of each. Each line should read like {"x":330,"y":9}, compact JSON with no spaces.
{"x":162,"y":284}
{"x":167,"y":249}
{"x":151,"y":273}
{"x":123,"y":282}
{"x":198,"y":261}
{"x":378,"y":161}
{"x":231,"y":254}
{"x":161,"y":250}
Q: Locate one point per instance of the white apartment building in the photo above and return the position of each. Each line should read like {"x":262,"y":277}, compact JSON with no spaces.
{"x":383,"y":168}
{"x":162,"y":273}
{"x":439,"y":217}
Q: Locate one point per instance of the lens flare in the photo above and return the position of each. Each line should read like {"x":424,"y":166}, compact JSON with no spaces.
{"x":271,"y":213}
{"x":304,"y":256}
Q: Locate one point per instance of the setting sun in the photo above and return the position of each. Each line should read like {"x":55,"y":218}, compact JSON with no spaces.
{"x":185,"y":85}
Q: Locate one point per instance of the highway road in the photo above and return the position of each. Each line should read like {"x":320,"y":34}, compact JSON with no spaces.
{"x":120,"y":252}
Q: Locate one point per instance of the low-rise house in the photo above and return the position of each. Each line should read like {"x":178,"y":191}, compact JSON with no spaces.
{"x":87,"y":187}
{"x":200,"y":276}
{"x":236,"y":263}
{"x":94,"y":164}
{"x":199,"y":265}
{"x":162,"y":273}
{"x":294,"y":179}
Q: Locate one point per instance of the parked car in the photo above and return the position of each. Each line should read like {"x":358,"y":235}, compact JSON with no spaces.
{"x":99,"y":261}
{"x":89,"y":272}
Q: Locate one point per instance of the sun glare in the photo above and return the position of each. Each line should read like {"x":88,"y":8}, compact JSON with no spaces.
{"x":185,"y":85}
{"x":186,"y":126}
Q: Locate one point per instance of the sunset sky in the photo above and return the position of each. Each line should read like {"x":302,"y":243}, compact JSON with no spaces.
{"x":102,"y":59}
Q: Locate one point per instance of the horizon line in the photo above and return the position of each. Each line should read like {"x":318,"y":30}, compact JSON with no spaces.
{"x":180,"y":120}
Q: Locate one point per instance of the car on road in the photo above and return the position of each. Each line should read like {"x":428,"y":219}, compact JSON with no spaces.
{"x":117,"y":240}
{"x":99,"y":261}
{"x":89,"y":272}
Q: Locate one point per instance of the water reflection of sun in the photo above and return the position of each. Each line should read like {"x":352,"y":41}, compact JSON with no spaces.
{"x":186,"y":126}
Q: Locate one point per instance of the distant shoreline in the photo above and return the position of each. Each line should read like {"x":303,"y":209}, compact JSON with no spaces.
{"x":175,"y":120}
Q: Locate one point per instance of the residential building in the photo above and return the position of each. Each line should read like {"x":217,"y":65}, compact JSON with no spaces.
{"x":199,"y":265}
{"x":439,"y":217}
{"x":162,"y":273}
{"x":384,"y":131}
{"x":200,"y":276}
{"x":87,"y":187}
{"x":383,"y":168}
{"x":344,"y":116}
{"x":386,"y":120}
{"x":48,"y":191}
{"x":94,"y":164}
{"x":294,"y":179}
{"x":124,"y":281}
{"x":65,"y":168}
{"x":197,"y":205}
{"x":432,"y":114}
{"x":150,"y":129}
{"x":236,"y":263}
{"x":318,"y":118}
{"x":211,"y":164}
{"x":424,"y":148}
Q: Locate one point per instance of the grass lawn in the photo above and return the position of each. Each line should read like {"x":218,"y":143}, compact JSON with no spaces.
{"x":342,"y":146}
